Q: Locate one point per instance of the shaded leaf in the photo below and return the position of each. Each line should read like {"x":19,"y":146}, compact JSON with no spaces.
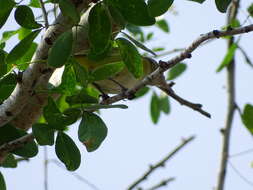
{"x":92,"y":131}
{"x":176,"y":71}
{"x":198,"y":1}
{"x":158,"y":7}
{"x":3,"y":66}
{"x":9,"y":162}
{"x":81,"y":98}
{"x":43,"y":133}
{"x":6,"y":8}
{"x":69,"y":10}
{"x":2,"y":182}
{"x":222,"y":5}
{"x":25,"y":18}
{"x":131,"y":57}
{"x":23,"y":62}
{"x":7,"y":85}
{"x":21,"y":48}
{"x":81,"y":72}
{"x":140,"y":93}
{"x":67,"y":151}
{"x":61,"y":50}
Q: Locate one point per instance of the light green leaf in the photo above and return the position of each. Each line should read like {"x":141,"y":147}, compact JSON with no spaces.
{"x":163,"y":25}
{"x":92,"y":131}
{"x":158,"y":7}
{"x":34,"y":3}
{"x":61,"y":50}
{"x":176,"y":71}
{"x":130,"y":57}
{"x":25,"y":18}
{"x":23,"y":62}
{"x":21,"y":48}
{"x":250,"y":10}
{"x":67,"y":151}
{"x":247,"y":117}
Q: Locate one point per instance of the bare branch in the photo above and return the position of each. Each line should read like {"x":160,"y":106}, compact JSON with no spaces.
{"x":163,"y":183}
{"x":44,"y":13}
{"x":246,"y":57}
{"x":161,"y":163}
{"x":241,"y":153}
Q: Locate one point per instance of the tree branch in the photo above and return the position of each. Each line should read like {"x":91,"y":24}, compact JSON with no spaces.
{"x":161,"y":163}
{"x":231,"y":104}
{"x":44,"y":13}
{"x":163,"y":183}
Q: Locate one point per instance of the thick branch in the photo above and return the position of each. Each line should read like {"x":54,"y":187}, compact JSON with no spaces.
{"x":231,"y":104}
{"x":161,"y":163}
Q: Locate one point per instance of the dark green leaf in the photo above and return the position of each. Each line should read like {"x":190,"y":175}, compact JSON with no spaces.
{"x":81,"y":98}
{"x":131,"y":57}
{"x":71,"y":115}
{"x":25,"y":18}
{"x":53,"y":115}
{"x":198,"y":1}
{"x":23,"y":62}
{"x":9,"y":162}
{"x":67,"y":151}
{"x":92,"y":131}
{"x":158,"y":7}
{"x":164,"y":104}
{"x":21,"y":48}
{"x":61,"y":50}
{"x":176,"y":71}
{"x":81,"y":72}
{"x":69,"y":10}
{"x":139,"y":44}
{"x":2,"y":182}
{"x":7,"y":85}
{"x":150,"y":35}
{"x":100,"y":29}
{"x":107,"y":70}
{"x":3,"y":66}
{"x":141,"y":92}
{"x":134,"y":11}
{"x":117,"y":16}
{"x":155,"y":108}
{"x":228,"y":57}
{"x":6,"y":7}
{"x":163,"y":25}
{"x":43,"y":133}
{"x":247,"y":117}
{"x":222,"y":5}
{"x":250,"y":10}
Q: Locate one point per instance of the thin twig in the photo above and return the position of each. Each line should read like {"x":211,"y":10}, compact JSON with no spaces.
{"x":169,"y":52}
{"x":44,"y":13}
{"x":241,"y":153}
{"x":231,"y":104}
{"x":161,"y":163}
{"x":163,"y":183}
{"x":79,"y":177}
{"x":246,"y":57}
{"x":240,"y":175}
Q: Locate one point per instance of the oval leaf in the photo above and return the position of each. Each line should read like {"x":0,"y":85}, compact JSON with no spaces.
{"x":155,"y":108}
{"x":61,"y":50}
{"x":6,"y":8}
{"x":92,"y":131}
{"x":176,"y":71}
{"x":164,"y":104}
{"x":43,"y":134}
{"x":134,"y":11}
{"x":130,"y":57}
{"x":163,"y":25}
{"x":82,"y":74}
{"x":67,"y":151}
{"x":21,"y":48}
{"x":9,"y":162}
{"x":25,"y":18}
{"x":158,"y":7}
{"x":100,"y":29}
{"x":106,"y":71}
{"x":69,"y":10}
{"x":222,"y":5}
{"x":247,"y":117}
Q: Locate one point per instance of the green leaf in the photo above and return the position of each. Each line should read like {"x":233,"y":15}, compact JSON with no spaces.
{"x":69,"y":10}
{"x":23,"y":32}
{"x":23,"y":62}
{"x":134,"y":11}
{"x":100,"y":28}
{"x":81,"y":98}
{"x":43,"y":133}
{"x":6,"y":8}
{"x":228,"y":57}
{"x":164,"y":104}
{"x":140,"y":93}
{"x":7,"y":85}
{"x":158,"y":7}
{"x":71,"y":115}
{"x":92,"y":131}
{"x":82,"y":74}
{"x":34,"y":3}
{"x":3,"y":66}
{"x":155,"y":108}
{"x":25,"y":18}
{"x":106,"y":71}
{"x":21,"y":48}
{"x":117,"y":17}
{"x":163,"y":25}
{"x":7,"y":35}
{"x":67,"y":151}
{"x":61,"y":50}
{"x":176,"y":71}
{"x":198,"y":1}
{"x":130,"y":57}
{"x":9,"y":162}
{"x":222,"y":5}
{"x":139,"y":44}
{"x":250,"y":10}
{"x":247,"y":117}
{"x":2,"y":182}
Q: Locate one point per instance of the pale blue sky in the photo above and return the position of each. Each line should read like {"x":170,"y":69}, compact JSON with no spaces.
{"x":133,"y":142}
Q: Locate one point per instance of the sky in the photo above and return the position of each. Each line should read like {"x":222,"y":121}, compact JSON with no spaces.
{"x":133,"y":142}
